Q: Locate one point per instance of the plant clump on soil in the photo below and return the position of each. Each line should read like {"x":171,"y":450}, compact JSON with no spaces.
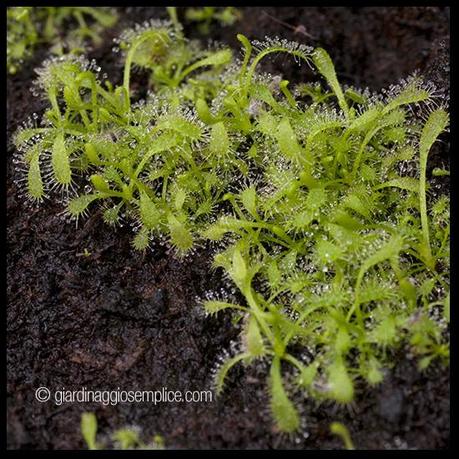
{"x":28,"y":27}
{"x":313,"y":198}
{"x":126,"y":438}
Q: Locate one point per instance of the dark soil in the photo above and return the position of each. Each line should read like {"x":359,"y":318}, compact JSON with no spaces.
{"x":118,"y":319}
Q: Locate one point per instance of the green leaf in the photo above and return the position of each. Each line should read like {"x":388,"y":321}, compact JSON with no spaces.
{"x":216,"y":58}
{"x":325,"y":66}
{"x":288,"y":143}
{"x":342,"y":341}
{"x":204,"y":112}
{"x":374,"y":289}
{"x":60,"y":161}
{"x":219,"y":141}
{"x":341,"y":386}
{"x":34,"y":181}
{"x":267,"y":124}
{"x":393,"y":118}
{"x":409,"y":95}
{"x":404,"y":183}
{"x":22,"y":136}
{"x":127,"y":438}
{"x":316,"y":199}
{"x":436,"y":123}
{"x":91,"y":153}
{"x":105,"y":18}
{"x":239,"y":271}
{"x":214,"y":306}
{"x":307,"y":375}
{"x":179,"y":199}
{"x":220,"y":57}
{"x":260,"y":92}
{"x":89,"y":429}
{"x":253,"y":338}
{"x":354,"y":96}
{"x":216,"y":231}
{"x":340,"y":429}
{"x":149,"y":213}
{"x":373,"y":373}
{"x":100,"y":184}
{"x":355,"y":201}
{"x":111,"y":215}
{"x":273,"y":273}
{"x":72,"y":97}
{"x":163,"y":142}
{"x":385,"y":333}
{"x":180,"y":235}
{"x":347,"y":221}
{"x":438,"y":172}
{"x":223,"y":370}
{"x":366,"y":120}
{"x":388,"y":251}
{"x":446,"y":308}
{"x":283,"y":410}
{"x":301,"y":220}
{"x":181,"y":125}
{"x":249,"y":200}
{"x":327,"y":252}
{"x":141,"y":239}
{"x":391,"y":249}
{"x":425,"y":362}
{"x":77,"y":206}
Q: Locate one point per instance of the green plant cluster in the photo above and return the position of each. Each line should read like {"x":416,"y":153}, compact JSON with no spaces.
{"x":126,"y":438}
{"x":315,"y":199}
{"x":29,"y":26}
{"x":205,"y":16}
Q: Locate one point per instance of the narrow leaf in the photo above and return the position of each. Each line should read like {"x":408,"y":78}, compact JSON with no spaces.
{"x":78,"y":205}
{"x":180,"y":235}
{"x":213,"y":306}
{"x":34,"y":180}
{"x":219,"y":141}
{"x":325,"y":66}
{"x":249,"y":200}
{"x":253,"y":338}
{"x":239,"y":269}
{"x":60,"y":161}
{"x":288,"y":143}
{"x":341,"y":386}
{"x":404,"y":183}
{"x":283,"y":410}
{"x":89,"y":429}
{"x":141,"y":239}
{"x":223,"y":370}
{"x":411,"y":94}
{"x":149,"y":213}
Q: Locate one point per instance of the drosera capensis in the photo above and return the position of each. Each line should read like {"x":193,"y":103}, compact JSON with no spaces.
{"x":125,"y":438}
{"x":339,"y":429}
{"x":205,"y":17}
{"x":29,"y":26}
{"x":300,"y":193}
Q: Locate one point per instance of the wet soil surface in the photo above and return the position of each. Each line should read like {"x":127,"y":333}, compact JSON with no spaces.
{"x":85,"y":310}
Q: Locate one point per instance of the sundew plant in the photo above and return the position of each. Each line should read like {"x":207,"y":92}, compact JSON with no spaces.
{"x":30,"y":26}
{"x":205,"y":16}
{"x":126,"y":438}
{"x":313,"y":199}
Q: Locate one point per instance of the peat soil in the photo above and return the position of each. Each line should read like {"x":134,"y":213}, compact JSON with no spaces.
{"x":85,"y":310}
